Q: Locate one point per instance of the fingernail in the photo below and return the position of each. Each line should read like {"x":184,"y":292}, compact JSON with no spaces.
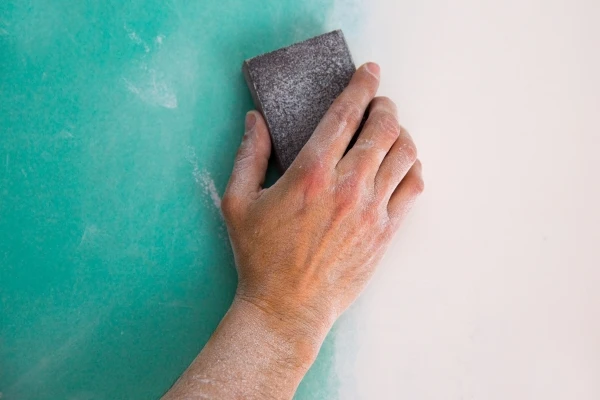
{"x":373,"y":69}
{"x":250,"y":121}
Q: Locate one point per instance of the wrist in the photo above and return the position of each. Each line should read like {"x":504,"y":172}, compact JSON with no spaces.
{"x":265,"y":356}
{"x":295,"y":338}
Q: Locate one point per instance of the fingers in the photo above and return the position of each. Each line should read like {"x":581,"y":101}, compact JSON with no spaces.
{"x":251,"y":161}
{"x":395,"y":165}
{"x":377,"y":137}
{"x":406,"y":193}
{"x":333,"y":134}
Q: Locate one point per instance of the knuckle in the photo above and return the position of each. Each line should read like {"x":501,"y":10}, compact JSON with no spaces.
{"x":347,"y":202}
{"x":386,"y":103}
{"x":417,"y":186}
{"x":367,"y":79}
{"x":363,"y":167}
{"x":388,"y":125}
{"x":313,"y":182}
{"x":410,"y":151}
{"x":243,"y":159}
{"x":346,"y":112}
{"x":353,"y":180}
{"x":349,"y":192}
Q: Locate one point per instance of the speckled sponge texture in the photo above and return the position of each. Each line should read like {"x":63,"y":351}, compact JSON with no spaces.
{"x":294,"y":86}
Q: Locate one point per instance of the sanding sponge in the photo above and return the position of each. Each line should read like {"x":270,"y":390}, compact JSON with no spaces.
{"x":294,"y":86}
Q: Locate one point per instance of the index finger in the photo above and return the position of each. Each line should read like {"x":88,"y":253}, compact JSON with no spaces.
{"x":335,"y":131}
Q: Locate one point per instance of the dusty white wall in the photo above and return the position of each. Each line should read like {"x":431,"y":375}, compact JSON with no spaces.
{"x":490,"y":291}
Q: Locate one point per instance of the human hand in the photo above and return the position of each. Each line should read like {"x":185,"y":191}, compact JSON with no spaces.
{"x":306,"y":247}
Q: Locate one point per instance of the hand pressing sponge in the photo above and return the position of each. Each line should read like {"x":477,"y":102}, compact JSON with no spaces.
{"x":294,"y":86}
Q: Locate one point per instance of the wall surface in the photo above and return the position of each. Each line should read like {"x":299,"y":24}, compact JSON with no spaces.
{"x":490,"y":290}
{"x":118,"y":126}
{"x":119,"y":123}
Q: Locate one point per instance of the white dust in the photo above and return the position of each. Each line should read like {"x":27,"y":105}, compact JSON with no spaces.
{"x":135,"y":38}
{"x":149,"y":83}
{"x":204,"y":179}
{"x":153,"y":91}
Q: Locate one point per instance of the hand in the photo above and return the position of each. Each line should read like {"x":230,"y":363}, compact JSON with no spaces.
{"x":306,"y":247}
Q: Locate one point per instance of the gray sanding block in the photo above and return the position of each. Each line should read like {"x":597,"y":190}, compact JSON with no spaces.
{"x":294,"y":86}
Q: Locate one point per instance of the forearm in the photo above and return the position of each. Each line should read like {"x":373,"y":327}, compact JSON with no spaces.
{"x":252,"y":355}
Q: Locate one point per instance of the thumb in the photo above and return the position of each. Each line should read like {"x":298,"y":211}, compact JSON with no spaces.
{"x":252,"y":158}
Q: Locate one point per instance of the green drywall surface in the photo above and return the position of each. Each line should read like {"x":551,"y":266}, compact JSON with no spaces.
{"x":115,"y":120}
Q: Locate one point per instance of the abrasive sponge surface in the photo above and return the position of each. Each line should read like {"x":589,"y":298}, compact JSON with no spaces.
{"x":294,"y":86}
